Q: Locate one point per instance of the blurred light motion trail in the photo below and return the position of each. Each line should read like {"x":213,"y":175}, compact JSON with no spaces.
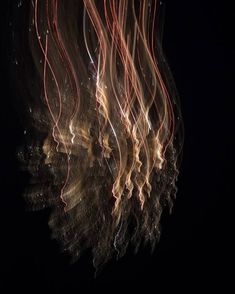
{"x":108,"y":159}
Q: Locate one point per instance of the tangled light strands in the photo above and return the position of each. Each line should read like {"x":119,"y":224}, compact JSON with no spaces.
{"x":106,"y":161}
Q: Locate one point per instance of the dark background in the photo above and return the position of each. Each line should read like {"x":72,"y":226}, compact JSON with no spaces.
{"x":191,"y":253}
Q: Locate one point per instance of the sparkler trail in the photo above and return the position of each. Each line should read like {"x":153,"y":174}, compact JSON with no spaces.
{"x":112,"y":123}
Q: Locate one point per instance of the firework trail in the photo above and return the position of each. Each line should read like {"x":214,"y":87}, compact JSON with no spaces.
{"x":108,"y":154}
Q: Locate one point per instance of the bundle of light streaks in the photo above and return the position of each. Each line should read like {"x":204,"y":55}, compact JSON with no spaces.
{"x":112,"y":141}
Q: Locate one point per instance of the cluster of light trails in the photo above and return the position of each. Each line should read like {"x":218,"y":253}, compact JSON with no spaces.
{"x":111,"y":120}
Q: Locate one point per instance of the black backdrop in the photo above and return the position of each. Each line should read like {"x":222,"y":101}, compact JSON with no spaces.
{"x":198,"y":46}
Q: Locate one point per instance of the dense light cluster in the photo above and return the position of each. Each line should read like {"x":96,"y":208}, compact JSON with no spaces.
{"x":109,"y":125}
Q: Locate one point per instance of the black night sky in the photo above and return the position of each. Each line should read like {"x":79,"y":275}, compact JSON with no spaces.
{"x":197,"y":44}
